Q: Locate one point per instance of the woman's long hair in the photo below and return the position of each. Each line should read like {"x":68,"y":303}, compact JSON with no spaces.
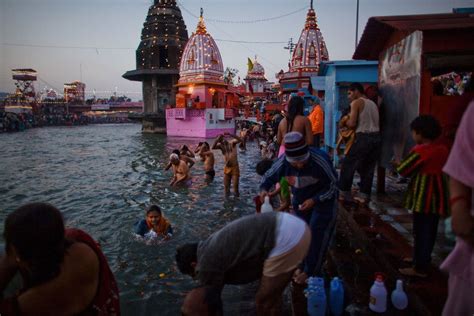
{"x":36,"y":232}
{"x":295,"y":107}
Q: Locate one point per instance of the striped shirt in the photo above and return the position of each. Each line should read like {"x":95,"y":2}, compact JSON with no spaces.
{"x":317,"y":180}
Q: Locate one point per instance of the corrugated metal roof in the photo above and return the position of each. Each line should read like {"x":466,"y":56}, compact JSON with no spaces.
{"x":378,"y":29}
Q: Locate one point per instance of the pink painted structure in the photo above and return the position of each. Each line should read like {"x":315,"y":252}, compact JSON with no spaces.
{"x":205,"y":123}
{"x":203,"y":103}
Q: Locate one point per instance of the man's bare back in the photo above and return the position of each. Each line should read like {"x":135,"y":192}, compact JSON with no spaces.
{"x":181,"y":172}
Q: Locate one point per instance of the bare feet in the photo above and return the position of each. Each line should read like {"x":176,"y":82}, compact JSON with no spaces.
{"x":300,"y":277}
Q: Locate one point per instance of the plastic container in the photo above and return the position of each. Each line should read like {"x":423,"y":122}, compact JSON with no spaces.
{"x":266,"y":206}
{"x":399,"y":297}
{"x":378,"y":295}
{"x":316,"y":297}
{"x":336,"y":297}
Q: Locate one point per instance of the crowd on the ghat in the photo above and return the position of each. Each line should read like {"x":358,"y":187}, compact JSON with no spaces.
{"x":17,"y":122}
{"x":65,"y":272}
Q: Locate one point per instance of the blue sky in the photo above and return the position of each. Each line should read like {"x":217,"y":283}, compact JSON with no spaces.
{"x":99,"y":37}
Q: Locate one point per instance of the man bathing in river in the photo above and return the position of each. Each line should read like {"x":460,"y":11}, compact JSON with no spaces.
{"x":207,"y":156}
{"x":231,"y":167}
{"x":180,"y":171}
{"x":188,"y":160}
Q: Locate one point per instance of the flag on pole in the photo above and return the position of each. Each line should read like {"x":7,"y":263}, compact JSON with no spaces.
{"x":249,"y":64}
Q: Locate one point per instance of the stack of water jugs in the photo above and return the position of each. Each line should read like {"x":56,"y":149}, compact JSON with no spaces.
{"x":317,"y":300}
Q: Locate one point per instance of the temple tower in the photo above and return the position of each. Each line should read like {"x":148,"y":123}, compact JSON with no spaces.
{"x":255,"y":80}
{"x":158,"y":57}
{"x":309,"y":52}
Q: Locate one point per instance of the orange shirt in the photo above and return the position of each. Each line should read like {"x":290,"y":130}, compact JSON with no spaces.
{"x":316,"y":118}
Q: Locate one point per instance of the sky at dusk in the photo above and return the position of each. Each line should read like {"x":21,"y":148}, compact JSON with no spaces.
{"x":95,"y":40}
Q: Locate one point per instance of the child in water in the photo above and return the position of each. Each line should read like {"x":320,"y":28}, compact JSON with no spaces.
{"x":154,"y":224}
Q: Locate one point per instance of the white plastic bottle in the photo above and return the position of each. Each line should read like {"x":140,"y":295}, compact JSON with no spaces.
{"x":399,"y":297}
{"x":266,"y":206}
{"x":378,"y":295}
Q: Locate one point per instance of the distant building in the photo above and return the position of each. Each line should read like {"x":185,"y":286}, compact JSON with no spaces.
{"x":74,"y":92}
{"x":255,"y":81}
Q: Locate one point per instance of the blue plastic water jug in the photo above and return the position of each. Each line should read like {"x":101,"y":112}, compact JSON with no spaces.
{"x":336,"y":297}
{"x":316,"y":295}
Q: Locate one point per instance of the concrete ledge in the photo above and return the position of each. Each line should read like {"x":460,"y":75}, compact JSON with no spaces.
{"x":358,"y":251}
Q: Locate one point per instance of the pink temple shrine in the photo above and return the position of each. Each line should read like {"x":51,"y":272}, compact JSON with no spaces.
{"x":203,"y":102}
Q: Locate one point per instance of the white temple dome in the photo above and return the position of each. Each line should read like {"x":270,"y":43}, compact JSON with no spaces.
{"x":311,"y":48}
{"x":201,"y":60}
{"x":257,"y":71}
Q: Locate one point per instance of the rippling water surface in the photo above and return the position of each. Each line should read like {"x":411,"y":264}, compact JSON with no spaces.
{"x":102,"y":177}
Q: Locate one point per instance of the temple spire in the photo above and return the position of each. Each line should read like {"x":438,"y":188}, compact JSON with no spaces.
{"x":201,"y":27}
{"x":311,"y":4}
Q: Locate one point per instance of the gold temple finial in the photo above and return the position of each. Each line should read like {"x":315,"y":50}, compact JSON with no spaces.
{"x":201,"y":27}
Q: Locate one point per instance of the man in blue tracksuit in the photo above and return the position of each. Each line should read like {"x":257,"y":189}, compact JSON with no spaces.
{"x":313,"y":182}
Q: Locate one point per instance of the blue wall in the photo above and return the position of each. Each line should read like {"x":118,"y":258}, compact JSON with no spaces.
{"x":339,"y":75}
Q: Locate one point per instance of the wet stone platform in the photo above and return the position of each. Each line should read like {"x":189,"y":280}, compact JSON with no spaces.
{"x":370,"y":239}
{"x":375,"y":238}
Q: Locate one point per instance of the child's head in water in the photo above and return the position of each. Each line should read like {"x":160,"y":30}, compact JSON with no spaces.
{"x":425,"y":128}
{"x":153,"y":215}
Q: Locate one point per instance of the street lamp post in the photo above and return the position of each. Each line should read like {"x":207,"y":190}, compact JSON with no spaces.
{"x":357,"y":24}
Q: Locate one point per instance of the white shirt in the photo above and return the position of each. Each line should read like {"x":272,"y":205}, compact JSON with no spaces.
{"x":289,"y":231}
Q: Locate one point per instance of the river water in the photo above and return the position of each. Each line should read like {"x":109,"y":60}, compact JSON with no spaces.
{"x":102,"y":177}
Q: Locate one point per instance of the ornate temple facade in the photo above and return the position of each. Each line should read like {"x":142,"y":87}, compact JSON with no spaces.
{"x":203,"y":103}
{"x":158,"y":57}
{"x":255,"y":80}
{"x":309,"y":52}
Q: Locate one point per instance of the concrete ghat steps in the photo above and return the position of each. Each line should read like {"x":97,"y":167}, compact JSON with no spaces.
{"x":365,"y":244}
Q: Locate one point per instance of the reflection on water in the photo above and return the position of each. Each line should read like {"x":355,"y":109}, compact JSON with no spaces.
{"x":101,"y":177}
